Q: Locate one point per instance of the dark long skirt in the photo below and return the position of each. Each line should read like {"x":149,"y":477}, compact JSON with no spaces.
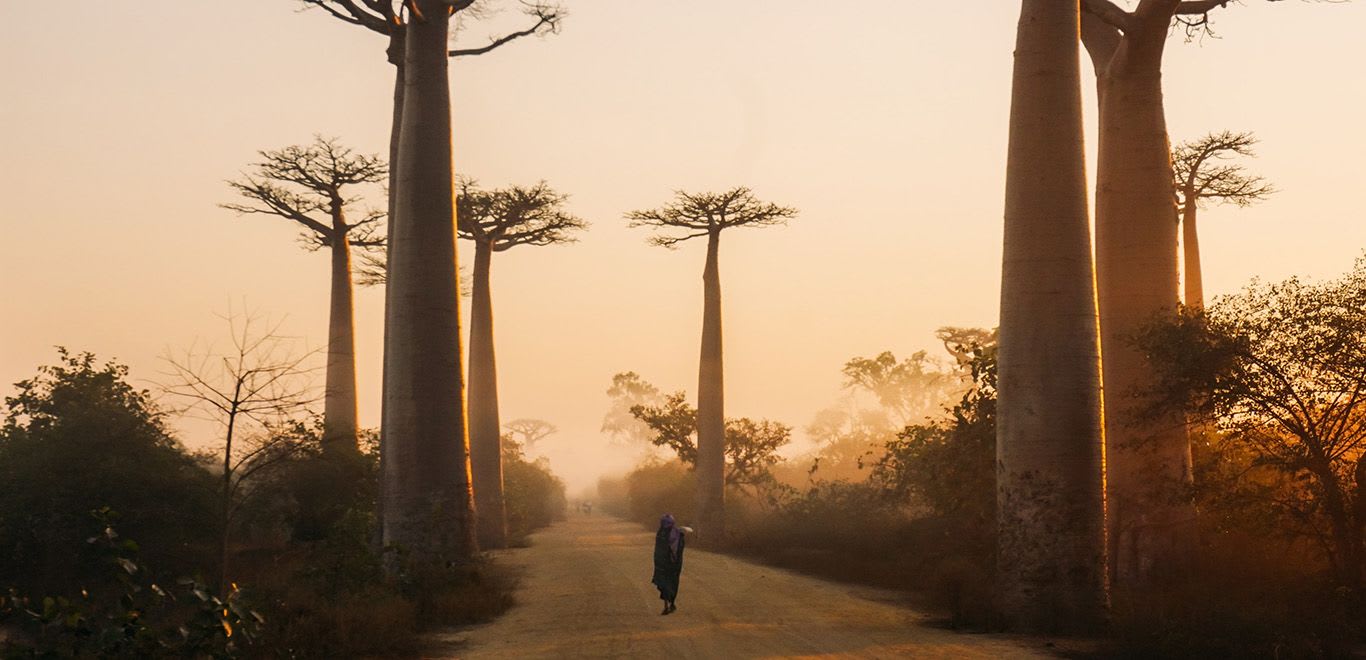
{"x":667,"y":568}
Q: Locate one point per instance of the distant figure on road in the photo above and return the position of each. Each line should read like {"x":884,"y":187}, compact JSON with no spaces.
{"x":669,"y":542}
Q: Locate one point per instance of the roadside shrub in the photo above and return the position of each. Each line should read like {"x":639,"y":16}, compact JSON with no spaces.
{"x":78,"y":438}
{"x":532,"y":495}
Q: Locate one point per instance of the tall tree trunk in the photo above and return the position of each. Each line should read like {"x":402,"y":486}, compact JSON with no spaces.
{"x":339,"y":402}
{"x":395,"y":55}
{"x":1148,"y":461}
{"x":1190,"y":243}
{"x":711,"y":416}
{"x":486,"y":457}
{"x":1051,"y":554}
{"x":425,"y":495}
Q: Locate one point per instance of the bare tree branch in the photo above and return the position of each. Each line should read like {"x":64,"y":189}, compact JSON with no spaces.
{"x":307,"y":184}
{"x":547,"y":17}
{"x":1202,"y":172}
{"x":518,"y":215}
{"x":701,"y":214}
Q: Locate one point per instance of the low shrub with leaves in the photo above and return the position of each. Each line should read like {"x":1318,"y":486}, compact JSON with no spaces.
{"x":128,"y":615}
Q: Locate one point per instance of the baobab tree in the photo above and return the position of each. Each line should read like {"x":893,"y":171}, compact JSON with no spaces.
{"x":381,"y":17}
{"x":1051,"y":553}
{"x":697,"y":215}
{"x":311,"y":186}
{"x":426,"y":503}
{"x":497,"y":221}
{"x":1203,"y":174}
{"x":1148,"y":462}
{"x":432,"y":482}
{"x":531,"y":431}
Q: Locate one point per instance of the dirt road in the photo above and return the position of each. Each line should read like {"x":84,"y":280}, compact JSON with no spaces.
{"x":586,"y":592}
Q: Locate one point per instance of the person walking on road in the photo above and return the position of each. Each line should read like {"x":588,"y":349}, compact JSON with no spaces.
{"x":669,"y":542}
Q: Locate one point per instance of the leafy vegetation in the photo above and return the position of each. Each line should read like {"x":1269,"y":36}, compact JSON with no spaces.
{"x":307,"y":576}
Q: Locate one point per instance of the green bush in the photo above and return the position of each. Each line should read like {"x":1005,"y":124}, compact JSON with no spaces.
{"x":78,"y":438}
{"x":126,"y":614}
{"x":657,"y":488}
{"x":533,"y":496}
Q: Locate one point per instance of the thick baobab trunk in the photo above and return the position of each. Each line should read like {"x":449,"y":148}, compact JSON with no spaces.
{"x":395,"y":55}
{"x":425,"y":493}
{"x":711,"y":416}
{"x":1190,"y":244}
{"x":339,"y":402}
{"x":1049,"y":464}
{"x":486,"y":457}
{"x":1148,"y":461}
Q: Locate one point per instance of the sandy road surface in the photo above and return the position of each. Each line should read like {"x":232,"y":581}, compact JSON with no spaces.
{"x":586,"y":592}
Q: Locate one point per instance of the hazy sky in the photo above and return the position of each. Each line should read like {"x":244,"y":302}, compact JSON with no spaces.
{"x":883,"y":121}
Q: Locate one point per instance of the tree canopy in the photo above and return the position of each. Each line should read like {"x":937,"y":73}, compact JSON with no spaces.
{"x":692,"y":215}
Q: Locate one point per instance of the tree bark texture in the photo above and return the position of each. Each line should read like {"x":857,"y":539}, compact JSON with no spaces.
{"x":1049,"y":463}
{"x":395,"y":54}
{"x":426,"y":498}
{"x":339,"y":401}
{"x":486,"y":457}
{"x":1148,"y":461}
{"x":1190,"y":243}
{"x":711,"y":416}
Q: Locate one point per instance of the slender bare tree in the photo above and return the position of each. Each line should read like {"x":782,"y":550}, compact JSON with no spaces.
{"x":311,"y":186}
{"x":497,"y":221}
{"x":1051,"y":553}
{"x":261,"y":380}
{"x":1205,"y":175}
{"x":698,"y":215}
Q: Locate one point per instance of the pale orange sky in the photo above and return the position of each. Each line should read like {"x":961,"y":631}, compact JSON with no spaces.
{"x":883,"y":121}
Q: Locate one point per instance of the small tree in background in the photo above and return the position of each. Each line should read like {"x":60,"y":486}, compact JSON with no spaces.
{"x":751,"y":446}
{"x":497,"y":221}
{"x":1205,"y":175}
{"x":531,"y":431}
{"x":312,"y":186}
{"x":627,"y":391}
{"x":698,"y":215}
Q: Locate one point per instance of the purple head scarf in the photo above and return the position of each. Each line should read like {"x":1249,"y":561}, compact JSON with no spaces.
{"x":667,"y":522}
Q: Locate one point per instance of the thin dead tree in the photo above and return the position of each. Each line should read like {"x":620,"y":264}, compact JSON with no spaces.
{"x":698,"y":215}
{"x":1204,"y":175}
{"x":312,"y":186}
{"x":497,"y":221}
{"x":259,"y":381}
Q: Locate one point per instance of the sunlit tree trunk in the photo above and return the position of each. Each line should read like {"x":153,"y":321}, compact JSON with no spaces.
{"x":1148,"y":461}
{"x":486,"y":457}
{"x":339,"y":402}
{"x":1049,"y":464}
{"x":425,"y":497}
{"x":711,"y":424}
{"x":1190,"y":243}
